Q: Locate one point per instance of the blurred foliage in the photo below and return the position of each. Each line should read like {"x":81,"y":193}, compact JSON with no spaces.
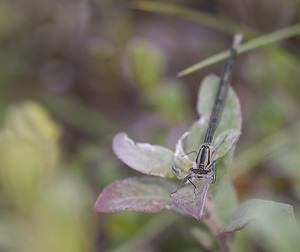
{"x":99,"y":66}
{"x":163,"y":95}
{"x":28,"y":150}
{"x":48,"y":208}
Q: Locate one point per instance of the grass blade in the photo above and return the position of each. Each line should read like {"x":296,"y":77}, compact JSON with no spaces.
{"x":263,"y":40}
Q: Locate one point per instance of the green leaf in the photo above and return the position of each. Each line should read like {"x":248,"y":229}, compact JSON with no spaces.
{"x":148,"y":159}
{"x":62,"y":217}
{"x":224,"y":142}
{"x":271,"y":224}
{"x":222,"y":166}
{"x":28,"y":152}
{"x":196,"y":135}
{"x":231,"y":117}
{"x":146,"y":64}
{"x":168,"y":99}
{"x":31,"y":121}
{"x":224,"y":200}
{"x":257,"y":210}
{"x":230,"y":120}
{"x":182,"y":161}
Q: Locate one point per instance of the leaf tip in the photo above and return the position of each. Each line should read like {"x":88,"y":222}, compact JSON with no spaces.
{"x":181,"y":74}
{"x":119,"y":140}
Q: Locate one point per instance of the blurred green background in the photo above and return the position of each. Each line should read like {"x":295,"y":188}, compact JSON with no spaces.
{"x":75,"y":72}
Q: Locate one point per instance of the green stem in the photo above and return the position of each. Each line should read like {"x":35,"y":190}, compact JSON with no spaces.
{"x":270,"y":38}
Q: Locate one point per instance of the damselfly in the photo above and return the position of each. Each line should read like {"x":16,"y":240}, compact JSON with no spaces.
{"x":205,"y":166}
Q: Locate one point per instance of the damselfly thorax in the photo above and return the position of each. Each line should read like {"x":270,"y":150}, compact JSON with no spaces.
{"x":203,"y":158}
{"x":203,"y":162}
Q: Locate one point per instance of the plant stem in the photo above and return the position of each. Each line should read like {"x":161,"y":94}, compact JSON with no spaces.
{"x":212,"y":221}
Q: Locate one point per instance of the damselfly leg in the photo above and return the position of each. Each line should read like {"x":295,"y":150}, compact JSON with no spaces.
{"x":186,"y":179}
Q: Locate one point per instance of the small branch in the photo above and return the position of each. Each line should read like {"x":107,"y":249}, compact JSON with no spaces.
{"x":223,"y":242}
{"x":211,"y":220}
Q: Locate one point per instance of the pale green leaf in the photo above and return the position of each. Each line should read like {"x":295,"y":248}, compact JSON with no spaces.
{"x":230,"y":120}
{"x":146,"y":64}
{"x":231,"y":117}
{"x":224,"y":200}
{"x":148,"y":159}
{"x":257,"y":210}
{"x":31,"y":121}
{"x":271,"y":224}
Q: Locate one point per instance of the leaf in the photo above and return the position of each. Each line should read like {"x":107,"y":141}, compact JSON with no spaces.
{"x":196,"y":136}
{"x":28,"y":152}
{"x":22,"y":166}
{"x":224,"y":199}
{"x":222,"y":167}
{"x":62,"y":216}
{"x":169,"y":99}
{"x":31,"y":121}
{"x":224,"y":142}
{"x":273,"y":224}
{"x":256,"y":210}
{"x":143,"y":157}
{"x":181,"y":159}
{"x":193,"y":201}
{"x":207,"y":93}
{"x":231,"y":118}
{"x":149,"y":195}
{"x":146,"y":64}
